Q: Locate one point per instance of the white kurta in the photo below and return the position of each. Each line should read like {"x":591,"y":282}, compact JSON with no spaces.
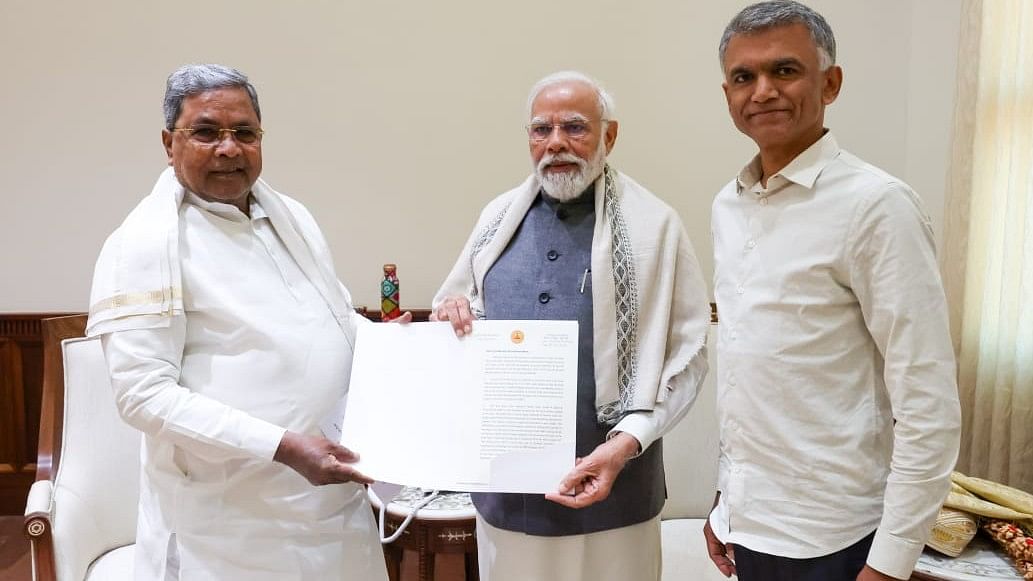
{"x":257,"y":352}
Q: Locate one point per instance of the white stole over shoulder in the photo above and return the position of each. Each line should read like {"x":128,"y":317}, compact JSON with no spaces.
{"x":137,"y":282}
{"x":649,"y":303}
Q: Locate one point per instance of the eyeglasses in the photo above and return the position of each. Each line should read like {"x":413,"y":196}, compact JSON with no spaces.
{"x":211,"y":135}
{"x":577,"y":130}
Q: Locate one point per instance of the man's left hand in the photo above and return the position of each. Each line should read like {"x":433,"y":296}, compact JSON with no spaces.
{"x":593,"y":476}
{"x":869,"y":574}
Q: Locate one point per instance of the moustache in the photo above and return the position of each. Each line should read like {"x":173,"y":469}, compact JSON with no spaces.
{"x":551,"y":159}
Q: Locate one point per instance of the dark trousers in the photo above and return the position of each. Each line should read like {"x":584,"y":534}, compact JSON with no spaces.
{"x":843,"y":565}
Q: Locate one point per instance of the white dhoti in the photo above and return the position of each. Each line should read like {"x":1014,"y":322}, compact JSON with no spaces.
{"x":630,"y":553}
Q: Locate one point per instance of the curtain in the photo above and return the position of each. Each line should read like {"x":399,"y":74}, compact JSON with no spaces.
{"x":988,"y":254}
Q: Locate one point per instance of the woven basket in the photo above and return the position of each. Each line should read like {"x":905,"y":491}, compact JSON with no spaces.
{"x":952,"y":531}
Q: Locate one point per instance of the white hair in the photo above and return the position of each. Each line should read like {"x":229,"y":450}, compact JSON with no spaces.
{"x":189,"y":80}
{"x":607,"y":108}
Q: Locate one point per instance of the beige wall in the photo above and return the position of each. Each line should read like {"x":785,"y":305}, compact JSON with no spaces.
{"x":396,"y":124}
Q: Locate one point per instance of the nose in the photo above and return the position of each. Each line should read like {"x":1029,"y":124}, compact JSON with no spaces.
{"x":557,"y":141}
{"x":227,"y":145}
{"x":764,"y":89}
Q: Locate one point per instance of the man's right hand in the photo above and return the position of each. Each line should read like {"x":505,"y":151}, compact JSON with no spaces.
{"x":455,"y":310}
{"x":319,"y":460}
{"x":721,"y":554}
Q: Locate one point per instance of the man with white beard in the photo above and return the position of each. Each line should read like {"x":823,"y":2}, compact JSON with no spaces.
{"x":580,"y":241}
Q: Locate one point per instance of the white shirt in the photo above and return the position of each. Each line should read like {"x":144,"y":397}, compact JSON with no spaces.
{"x":833,"y":325}
{"x":258,"y":352}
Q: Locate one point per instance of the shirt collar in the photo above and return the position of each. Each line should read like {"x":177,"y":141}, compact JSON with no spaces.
{"x":803,"y":170}
{"x":227,"y":211}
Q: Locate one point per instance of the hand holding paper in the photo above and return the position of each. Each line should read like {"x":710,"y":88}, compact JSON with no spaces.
{"x":592,"y":477}
{"x":319,"y":460}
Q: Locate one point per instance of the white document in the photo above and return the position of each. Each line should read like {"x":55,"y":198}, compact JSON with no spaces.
{"x":493,"y":411}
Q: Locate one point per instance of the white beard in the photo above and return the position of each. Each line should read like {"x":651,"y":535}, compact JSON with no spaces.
{"x":565,"y":186}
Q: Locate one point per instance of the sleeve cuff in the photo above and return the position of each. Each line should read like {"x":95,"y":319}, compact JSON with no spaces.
{"x":893,"y":556}
{"x":637,"y":425}
{"x":263,"y":439}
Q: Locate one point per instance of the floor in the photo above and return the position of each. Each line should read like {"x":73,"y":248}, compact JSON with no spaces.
{"x":14,"y":556}
{"x":14,"y":550}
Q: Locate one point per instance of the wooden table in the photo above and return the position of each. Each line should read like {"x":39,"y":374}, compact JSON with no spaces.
{"x":445,"y":527}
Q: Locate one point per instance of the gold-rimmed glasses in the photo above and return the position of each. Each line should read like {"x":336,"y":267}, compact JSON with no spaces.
{"x":210,"y":135}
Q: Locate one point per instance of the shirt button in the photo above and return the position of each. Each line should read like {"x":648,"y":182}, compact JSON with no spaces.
{"x":552,"y":255}
{"x":740,"y":289}
{"x":763,"y":201}
{"x":543,"y":298}
{"x":751,"y":243}
{"x":732,"y":335}
{"x":731,"y":379}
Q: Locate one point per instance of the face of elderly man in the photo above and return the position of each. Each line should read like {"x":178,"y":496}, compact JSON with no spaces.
{"x":776,"y":90}
{"x":567,"y":138}
{"x":224,"y":169}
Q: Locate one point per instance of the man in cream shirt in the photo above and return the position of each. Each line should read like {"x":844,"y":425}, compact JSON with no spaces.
{"x":836,"y":389}
{"x":228,"y":337}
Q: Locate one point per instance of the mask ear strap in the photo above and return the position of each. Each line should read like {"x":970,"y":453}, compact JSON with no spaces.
{"x":430,"y":497}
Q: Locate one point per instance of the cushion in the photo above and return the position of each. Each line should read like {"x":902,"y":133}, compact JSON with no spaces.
{"x":114,"y":565}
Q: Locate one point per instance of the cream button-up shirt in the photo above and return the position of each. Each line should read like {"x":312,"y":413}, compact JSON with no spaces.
{"x":837,"y":396}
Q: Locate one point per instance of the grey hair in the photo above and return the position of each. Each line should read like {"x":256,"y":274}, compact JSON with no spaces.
{"x":189,"y":80}
{"x":765,"y":15}
{"x":607,"y":107}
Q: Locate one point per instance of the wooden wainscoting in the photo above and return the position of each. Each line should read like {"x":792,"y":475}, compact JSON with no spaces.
{"x":21,"y":381}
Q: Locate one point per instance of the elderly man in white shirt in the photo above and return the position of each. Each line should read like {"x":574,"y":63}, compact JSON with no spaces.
{"x":228,"y":338}
{"x":837,"y":394}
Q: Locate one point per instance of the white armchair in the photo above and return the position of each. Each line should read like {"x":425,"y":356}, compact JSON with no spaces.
{"x":690,"y":460}
{"x":81,"y":512}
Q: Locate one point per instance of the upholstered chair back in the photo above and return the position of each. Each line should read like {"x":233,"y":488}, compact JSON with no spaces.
{"x":97,"y":486}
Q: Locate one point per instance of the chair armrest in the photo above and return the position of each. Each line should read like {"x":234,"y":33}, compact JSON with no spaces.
{"x":39,"y":529}
{"x":40,"y":500}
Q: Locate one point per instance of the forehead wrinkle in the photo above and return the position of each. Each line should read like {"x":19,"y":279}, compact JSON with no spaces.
{"x":564,"y":117}
{"x":206,"y":120}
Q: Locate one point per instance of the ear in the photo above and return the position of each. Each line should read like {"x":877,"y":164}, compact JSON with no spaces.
{"x":833,"y":83}
{"x":610,"y":137}
{"x":166,"y":140}
{"x":728,"y":94}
